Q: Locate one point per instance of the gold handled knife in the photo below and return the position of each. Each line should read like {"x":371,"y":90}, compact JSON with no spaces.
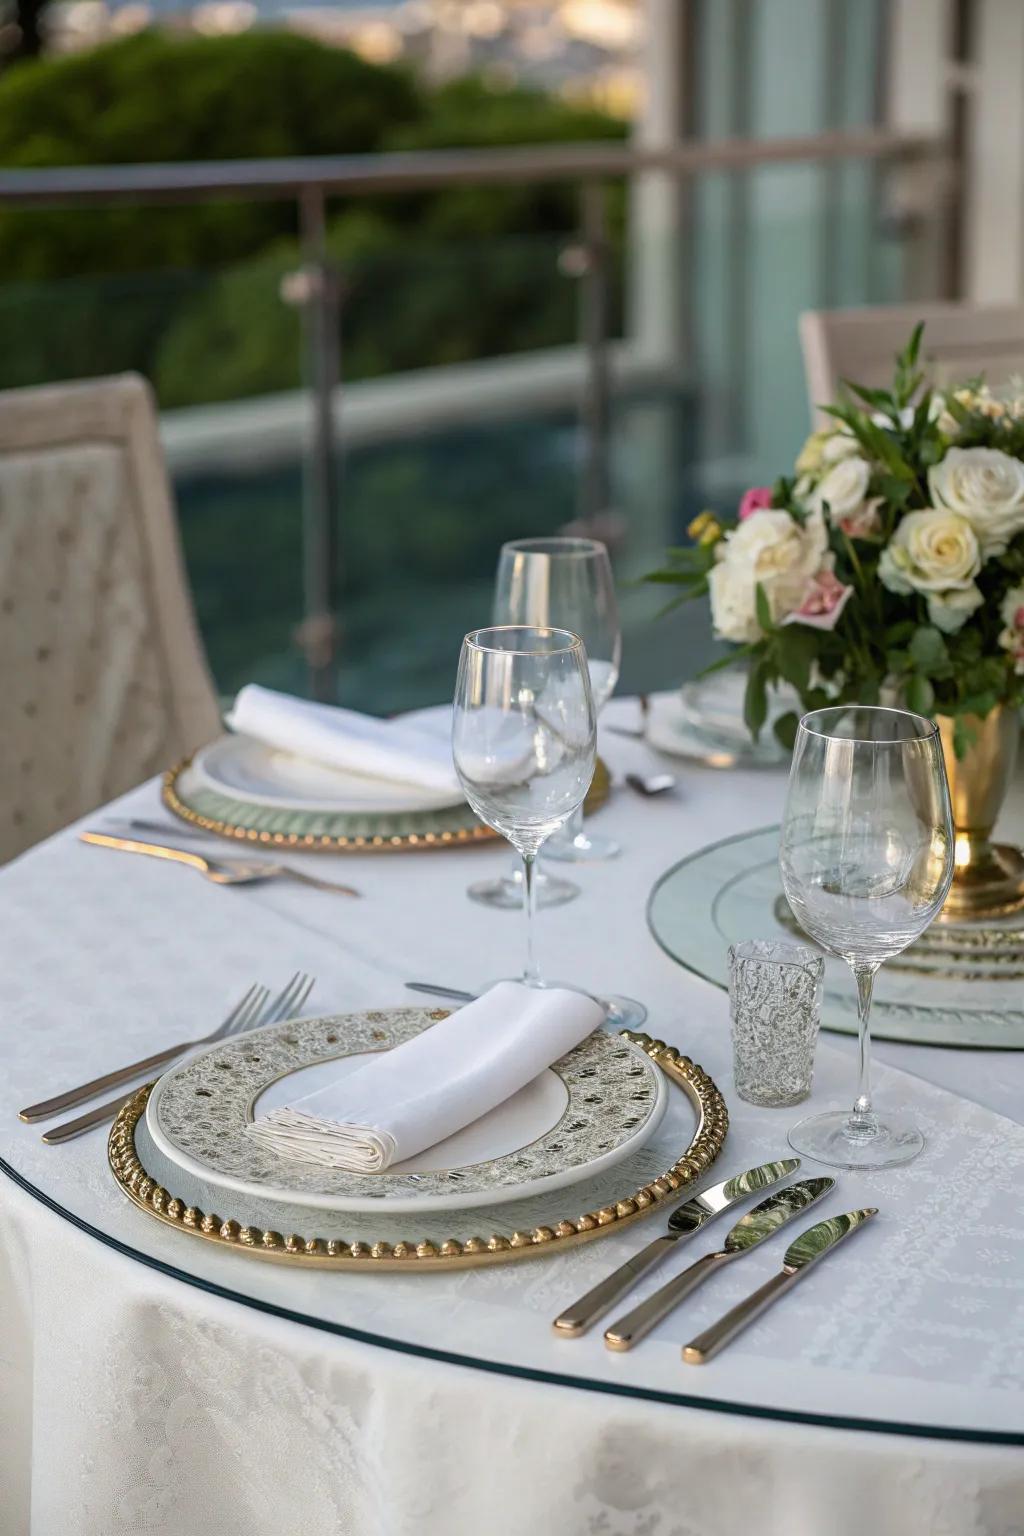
{"x":751,"y":1229}
{"x":801,"y":1254}
{"x":685,"y":1220}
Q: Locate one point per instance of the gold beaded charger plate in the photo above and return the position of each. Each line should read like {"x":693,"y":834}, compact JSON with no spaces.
{"x":684,"y":1148}
{"x":312,"y":830}
{"x":588,"y":1111}
{"x":958,"y":985}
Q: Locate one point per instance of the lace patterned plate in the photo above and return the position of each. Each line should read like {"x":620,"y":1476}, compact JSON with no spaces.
{"x":522,"y":1230}
{"x":596,"y":1106}
{"x":959,"y":987}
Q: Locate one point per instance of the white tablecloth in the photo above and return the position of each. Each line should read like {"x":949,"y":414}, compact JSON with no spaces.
{"x":131,"y":1401}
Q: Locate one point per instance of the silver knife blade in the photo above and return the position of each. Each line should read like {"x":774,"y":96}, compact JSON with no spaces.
{"x":452,"y":993}
{"x":803,"y":1252}
{"x":693,"y":1213}
{"x":813,"y":1244}
{"x":685,"y":1220}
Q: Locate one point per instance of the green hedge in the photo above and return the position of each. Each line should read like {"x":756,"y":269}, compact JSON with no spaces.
{"x":191,"y":294}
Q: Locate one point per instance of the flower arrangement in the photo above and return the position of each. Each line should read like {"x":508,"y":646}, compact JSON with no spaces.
{"x":893,"y":558}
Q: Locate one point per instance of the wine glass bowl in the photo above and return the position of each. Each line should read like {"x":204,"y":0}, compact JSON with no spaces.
{"x":566,"y":582}
{"x":524,"y":738}
{"x":866,"y":859}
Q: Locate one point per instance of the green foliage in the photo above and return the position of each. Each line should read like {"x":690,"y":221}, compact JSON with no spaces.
{"x":191,"y":294}
{"x":160,"y":97}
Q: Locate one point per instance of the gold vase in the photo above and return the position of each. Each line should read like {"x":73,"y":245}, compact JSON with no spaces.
{"x":988,"y":879}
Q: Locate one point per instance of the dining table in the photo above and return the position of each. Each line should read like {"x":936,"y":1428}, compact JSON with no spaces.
{"x":152,"y":1382}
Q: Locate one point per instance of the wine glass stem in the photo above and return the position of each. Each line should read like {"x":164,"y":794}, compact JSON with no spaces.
{"x":862,"y":1120}
{"x":531,"y":975}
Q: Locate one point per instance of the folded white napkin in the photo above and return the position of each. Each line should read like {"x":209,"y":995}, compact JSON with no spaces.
{"x":341,"y":738}
{"x":431,"y":1086}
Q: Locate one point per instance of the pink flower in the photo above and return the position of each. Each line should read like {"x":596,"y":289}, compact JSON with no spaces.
{"x":865,"y":522}
{"x":755,"y":500}
{"x":823,"y":602}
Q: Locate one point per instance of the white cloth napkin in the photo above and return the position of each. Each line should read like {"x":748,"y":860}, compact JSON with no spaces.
{"x":341,"y":738}
{"x":428,"y":1088}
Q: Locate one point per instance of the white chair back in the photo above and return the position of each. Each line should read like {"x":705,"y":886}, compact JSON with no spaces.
{"x":960,"y":341}
{"x":104,"y":676}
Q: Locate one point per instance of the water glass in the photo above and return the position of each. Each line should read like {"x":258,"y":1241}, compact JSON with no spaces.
{"x":775,"y":1005}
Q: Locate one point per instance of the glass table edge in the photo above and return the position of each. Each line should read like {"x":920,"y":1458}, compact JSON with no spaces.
{"x":516,"y":1372}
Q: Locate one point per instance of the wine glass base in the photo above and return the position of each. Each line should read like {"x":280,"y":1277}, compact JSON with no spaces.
{"x":506,"y":891}
{"x":826,"y":1139}
{"x":584,"y":848}
{"x":623,"y":1012}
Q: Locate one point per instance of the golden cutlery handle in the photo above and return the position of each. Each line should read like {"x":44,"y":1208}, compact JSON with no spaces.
{"x":73,"y":1128}
{"x":708,"y":1343}
{"x":55,"y":1106}
{"x":155,"y":850}
{"x":582,"y":1314}
{"x":629,"y":1330}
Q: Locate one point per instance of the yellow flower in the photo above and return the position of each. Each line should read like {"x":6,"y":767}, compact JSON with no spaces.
{"x":810,"y":458}
{"x":705,"y":528}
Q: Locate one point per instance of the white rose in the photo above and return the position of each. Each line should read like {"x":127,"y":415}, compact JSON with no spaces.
{"x":843,"y":489}
{"x":769,"y":548}
{"x":931,"y":551}
{"x":986,"y":486}
{"x":838,"y":446}
{"x":949,"y":611}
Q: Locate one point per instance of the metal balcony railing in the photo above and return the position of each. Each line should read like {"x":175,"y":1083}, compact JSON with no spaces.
{"x":310,"y":182}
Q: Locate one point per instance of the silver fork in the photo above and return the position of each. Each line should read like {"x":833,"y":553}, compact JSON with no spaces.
{"x":257,"y":1013}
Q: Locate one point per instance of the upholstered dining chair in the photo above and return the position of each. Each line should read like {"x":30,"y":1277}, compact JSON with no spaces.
{"x":960,"y":341}
{"x":104,"y":677}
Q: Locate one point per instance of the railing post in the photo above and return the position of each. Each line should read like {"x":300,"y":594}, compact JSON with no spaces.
{"x":595,"y":479}
{"x":318,"y":632}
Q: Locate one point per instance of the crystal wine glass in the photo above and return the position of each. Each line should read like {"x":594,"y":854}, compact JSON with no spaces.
{"x":866,"y":859}
{"x":567,"y":582}
{"x":524,"y":739}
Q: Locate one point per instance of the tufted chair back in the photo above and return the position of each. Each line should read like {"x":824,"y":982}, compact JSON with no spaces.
{"x":104,"y":677}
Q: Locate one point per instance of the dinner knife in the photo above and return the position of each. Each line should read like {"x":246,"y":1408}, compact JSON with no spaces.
{"x":685,"y":1220}
{"x":752,"y":1228}
{"x":802,"y":1253}
{"x":452,"y":993}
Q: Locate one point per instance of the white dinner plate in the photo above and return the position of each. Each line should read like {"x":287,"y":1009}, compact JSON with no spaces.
{"x":246,"y":769}
{"x":601,"y":1102}
{"x":670,"y":728}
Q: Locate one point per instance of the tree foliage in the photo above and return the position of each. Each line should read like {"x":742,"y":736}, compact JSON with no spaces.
{"x":190,"y":293}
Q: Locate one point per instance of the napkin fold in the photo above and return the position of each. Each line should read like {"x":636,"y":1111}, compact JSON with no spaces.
{"x":341,"y":738}
{"x":429,"y":1087}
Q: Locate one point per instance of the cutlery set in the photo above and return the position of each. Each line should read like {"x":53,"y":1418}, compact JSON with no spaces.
{"x":753,"y":1228}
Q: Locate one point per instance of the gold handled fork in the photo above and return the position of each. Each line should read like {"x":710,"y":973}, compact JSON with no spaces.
{"x":220,"y":871}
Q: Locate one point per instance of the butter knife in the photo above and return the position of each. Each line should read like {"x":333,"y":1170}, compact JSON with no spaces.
{"x":685,"y":1220}
{"x":751,"y":1229}
{"x":802,"y":1253}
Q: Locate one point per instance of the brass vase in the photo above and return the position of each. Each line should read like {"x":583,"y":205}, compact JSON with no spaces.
{"x":988,"y":880}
